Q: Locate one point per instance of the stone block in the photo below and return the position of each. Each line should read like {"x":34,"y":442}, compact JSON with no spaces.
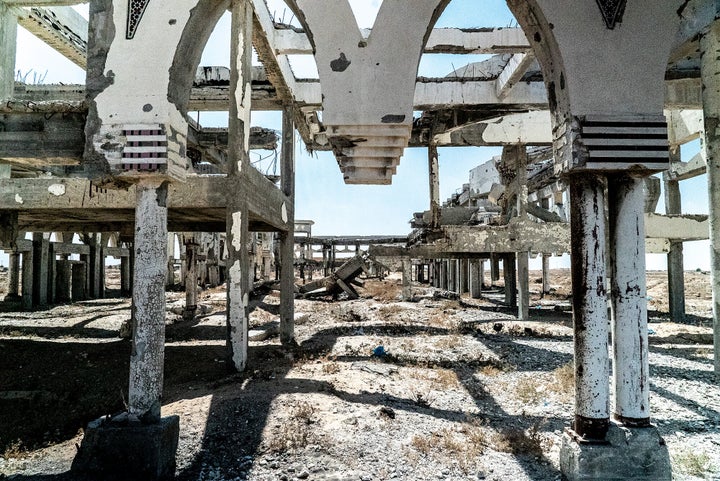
{"x":123,"y":448}
{"x":637,"y":454}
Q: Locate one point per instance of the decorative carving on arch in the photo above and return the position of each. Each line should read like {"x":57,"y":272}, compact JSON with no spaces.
{"x":612,"y":11}
{"x":136,"y":9}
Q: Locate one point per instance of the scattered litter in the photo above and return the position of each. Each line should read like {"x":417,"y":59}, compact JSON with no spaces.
{"x":379,"y":351}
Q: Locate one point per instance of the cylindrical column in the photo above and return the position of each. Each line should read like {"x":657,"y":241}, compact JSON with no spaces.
{"x":630,"y":331}
{"x":14,"y":276}
{"x":148,"y":350}
{"x":590,"y":321}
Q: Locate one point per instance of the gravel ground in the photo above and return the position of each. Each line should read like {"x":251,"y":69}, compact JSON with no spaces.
{"x":464,"y":391}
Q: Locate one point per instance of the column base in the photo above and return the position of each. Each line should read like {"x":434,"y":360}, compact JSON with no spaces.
{"x":119,"y":449}
{"x":189,"y":313}
{"x":638,"y":454}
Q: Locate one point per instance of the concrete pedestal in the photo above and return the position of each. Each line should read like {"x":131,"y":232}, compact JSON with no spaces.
{"x":637,"y":454}
{"x":120,"y":450}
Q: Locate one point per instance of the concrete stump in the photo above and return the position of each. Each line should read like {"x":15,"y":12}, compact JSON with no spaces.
{"x":639,"y":454}
{"x":123,"y":448}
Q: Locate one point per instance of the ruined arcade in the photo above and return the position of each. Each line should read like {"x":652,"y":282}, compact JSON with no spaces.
{"x":591,"y":102}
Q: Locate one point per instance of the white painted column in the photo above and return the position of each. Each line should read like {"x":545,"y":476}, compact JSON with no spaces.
{"x":148,"y":349}
{"x":590,"y":320}
{"x":287,"y":239}
{"x":628,"y":294}
{"x":8,"y":46}
{"x":238,"y":236}
{"x":710,"y":73}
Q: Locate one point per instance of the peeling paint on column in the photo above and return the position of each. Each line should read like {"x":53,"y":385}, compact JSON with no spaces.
{"x":18,"y":199}
{"x":590,"y":319}
{"x":146,"y":361}
{"x":630,"y":332}
{"x":236,"y":238}
{"x":57,"y":189}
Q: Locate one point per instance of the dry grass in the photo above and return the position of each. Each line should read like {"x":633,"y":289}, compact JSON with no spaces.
{"x":528,"y":390}
{"x":14,"y":450}
{"x":693,"y":463}
{"x":388,"y":311}
{"x":295,"y":433}
{"x":563,"y":381}
{"x":450,"y":342}
{"x":517,"y":441}
{"x":382,"y":290}
{"x":490,"y":371}
{"x":463,"y":447}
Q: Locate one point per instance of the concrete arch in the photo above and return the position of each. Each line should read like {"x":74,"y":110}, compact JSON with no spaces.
{"x":203,"y":19}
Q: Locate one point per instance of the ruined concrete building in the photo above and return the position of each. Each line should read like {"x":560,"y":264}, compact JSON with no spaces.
{"x":611,"y":88}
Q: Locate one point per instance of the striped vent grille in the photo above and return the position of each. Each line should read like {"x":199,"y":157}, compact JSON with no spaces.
{"x":621,"y":142}
{"x":145,"y":147}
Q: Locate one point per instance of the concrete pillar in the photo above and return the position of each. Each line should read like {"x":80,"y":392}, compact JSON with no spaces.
{"x":79,"y":282}
{"x":8,"y":42}
{"x":628,"y":295}
{"x":125,"y":276}
{"x":238,"y":236}
{"x":148,"y":350}
{"x":475,"y":278}
{"x":494,"y":268}
{"x":406,"y":280}
{"x":590,"y":321}
{"x":287,"y":238}
{"x":170,"y":260}
{"x":434,"y":179}
{"x":444,"y":274}
{"x":14,"y":276}
{"x":27,"y":279}
{"x":452,"y":275}
{"x":510,"y":279}
{"x":481,"y":268}
{"x":710,"y":73}
{"x":97,"y":267}
{"x":191,"y":280}
{"x":523,"y":276}
{"x":41,"y":263}
{"x":464,"y":274}
{"x":675,"y":267}
{"x":545,"y":273}
{"x":63,"y":281}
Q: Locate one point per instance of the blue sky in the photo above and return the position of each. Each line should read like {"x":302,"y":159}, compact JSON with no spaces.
{"x":321,"y":195}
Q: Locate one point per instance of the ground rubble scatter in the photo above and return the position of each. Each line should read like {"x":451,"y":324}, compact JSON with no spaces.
{"x":460,"y":390}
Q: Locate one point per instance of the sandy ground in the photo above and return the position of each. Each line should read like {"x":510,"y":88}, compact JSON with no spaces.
{"x":464,"y":392}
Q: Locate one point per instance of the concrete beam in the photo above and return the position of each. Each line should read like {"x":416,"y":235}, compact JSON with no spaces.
{"x":61,"y":27}
{"x":513,"y":72}
{"x":288,"y":41}
{"x":677,"y":227}
{"x":200,"y":201}
{"x":687,"y":170}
